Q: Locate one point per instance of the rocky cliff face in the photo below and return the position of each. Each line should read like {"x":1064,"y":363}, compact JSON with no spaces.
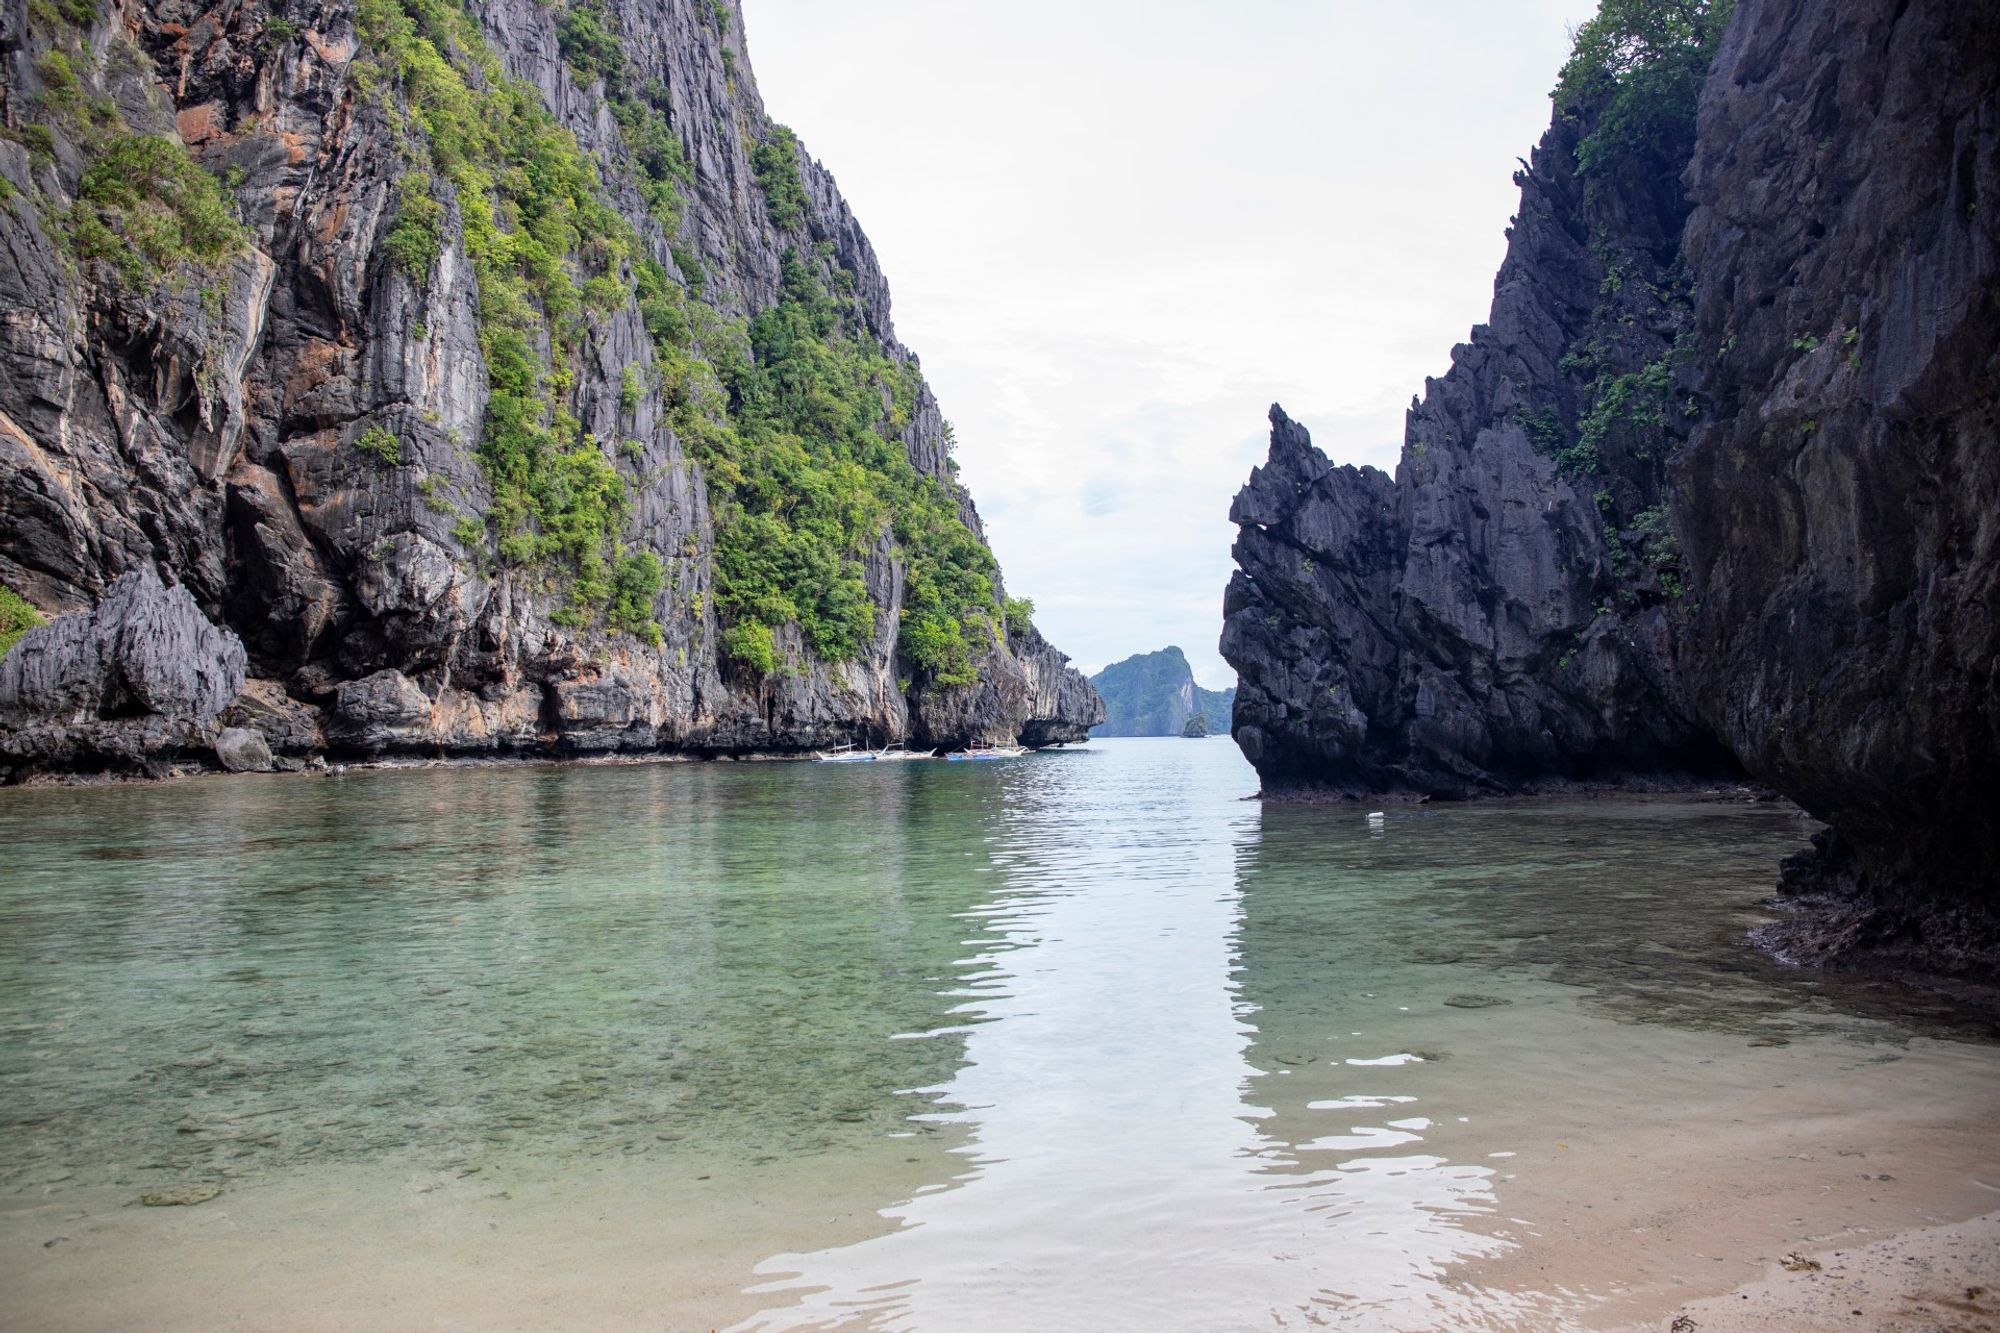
{"x":1501,"y":615}
{"x":443,"y":365}
{"x":1714,"y":488}
{"x":1840,"y":501}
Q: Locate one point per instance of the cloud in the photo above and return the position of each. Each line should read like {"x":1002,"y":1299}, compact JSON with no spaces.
{"x":1117,"y":232}
{"x":1101,"y":496}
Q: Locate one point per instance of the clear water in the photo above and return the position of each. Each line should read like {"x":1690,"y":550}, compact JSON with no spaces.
{"x":1090,"y":980}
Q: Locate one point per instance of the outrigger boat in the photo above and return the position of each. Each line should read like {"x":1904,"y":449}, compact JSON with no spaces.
{"x":897,"y":753}
{"x":845,"y":754}
{"x":849,"y":754}
{"x":987,"y":750}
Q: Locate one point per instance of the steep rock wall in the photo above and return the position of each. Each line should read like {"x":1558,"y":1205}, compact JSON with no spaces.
{"x":1799,"y":568}
{"x":293,"y":432}
{"x":1840,"y":503}
{"x":1500,"y":616}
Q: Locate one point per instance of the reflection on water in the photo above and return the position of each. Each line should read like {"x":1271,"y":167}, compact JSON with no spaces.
{"x":1118,"y":1173}
{"x":1200,"y":1063}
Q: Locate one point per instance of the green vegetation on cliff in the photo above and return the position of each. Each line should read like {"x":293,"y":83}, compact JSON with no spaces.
{"x":548,"y":251}
{"x":589,"y":44}
{"x":145,"y":208}
{"x":381,"y":445}
{"x":1639,"y":65}
{"x":144,"y":211}
{"x":796,"y":415}
{"x":776,"y":161}
{"x":17,"y":617}
{"x":1630,"y":91}
{"x":805,"y":472}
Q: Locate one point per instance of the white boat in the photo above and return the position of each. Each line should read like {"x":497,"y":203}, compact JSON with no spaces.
{"x":890,"y":754}
{"x":845,"y":754}
{"x":982,"y":750}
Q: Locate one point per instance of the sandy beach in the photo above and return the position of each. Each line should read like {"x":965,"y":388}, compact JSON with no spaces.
{"x":1881,"y":1166}
{"x":1929,"y":1280}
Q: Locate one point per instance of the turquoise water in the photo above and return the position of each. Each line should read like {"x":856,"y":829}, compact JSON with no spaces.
{"x":1088,"y":981}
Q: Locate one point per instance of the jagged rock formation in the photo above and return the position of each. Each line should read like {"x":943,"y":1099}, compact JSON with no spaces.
{"x":1155,"y":694}
{"x":1499,"y":616}
{"x":141,"y":674}
{"x":1840,"y":503}
{"x":438,"y":428}
{"x":1801,"y":393}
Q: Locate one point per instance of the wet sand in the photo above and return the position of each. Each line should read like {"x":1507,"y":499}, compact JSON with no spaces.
{"x":1933,"y":1280}
{"x":1621,"y":1212}
{"x":1645,"y":1213}
{"x":1623,"y":1199}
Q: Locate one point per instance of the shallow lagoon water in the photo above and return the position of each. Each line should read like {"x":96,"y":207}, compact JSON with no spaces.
{"x":1083,"y":1039}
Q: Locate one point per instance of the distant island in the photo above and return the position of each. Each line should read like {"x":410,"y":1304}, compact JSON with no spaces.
{"x":1154,"y":694}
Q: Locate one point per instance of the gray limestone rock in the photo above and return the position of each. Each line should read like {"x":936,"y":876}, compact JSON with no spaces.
{"x":143,"y":649}
{"x":208,"y":425}
{"x":1500,"y":615}
{"x":1785,"y":562}
{"x":141,"y":674}
{"x":378,"y":712}
{"x":1382,"y":647}
{"x":241,"y":750}
{"x":287,"y":726}
{"x":1840,"y":500}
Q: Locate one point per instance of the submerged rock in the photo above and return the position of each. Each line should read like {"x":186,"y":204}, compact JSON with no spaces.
{"x":180,"y":1196}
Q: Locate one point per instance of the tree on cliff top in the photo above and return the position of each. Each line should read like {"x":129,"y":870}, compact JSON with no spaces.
{"x":1643,"y":63}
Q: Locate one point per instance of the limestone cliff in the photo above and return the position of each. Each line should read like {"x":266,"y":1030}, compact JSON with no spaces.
{"x":476,"y":378}
{"x":1499,"y":616}
{"x":1840,"y":501}
{"x":1713,"y":491}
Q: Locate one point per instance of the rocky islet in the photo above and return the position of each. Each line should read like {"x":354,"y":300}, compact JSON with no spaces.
{"x":1156,"y":694}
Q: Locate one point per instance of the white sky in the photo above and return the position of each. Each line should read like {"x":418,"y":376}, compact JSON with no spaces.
{"x":1118,"y":231}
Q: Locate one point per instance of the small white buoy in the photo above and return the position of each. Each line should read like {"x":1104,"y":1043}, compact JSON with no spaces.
{"x":1375,"y":819}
